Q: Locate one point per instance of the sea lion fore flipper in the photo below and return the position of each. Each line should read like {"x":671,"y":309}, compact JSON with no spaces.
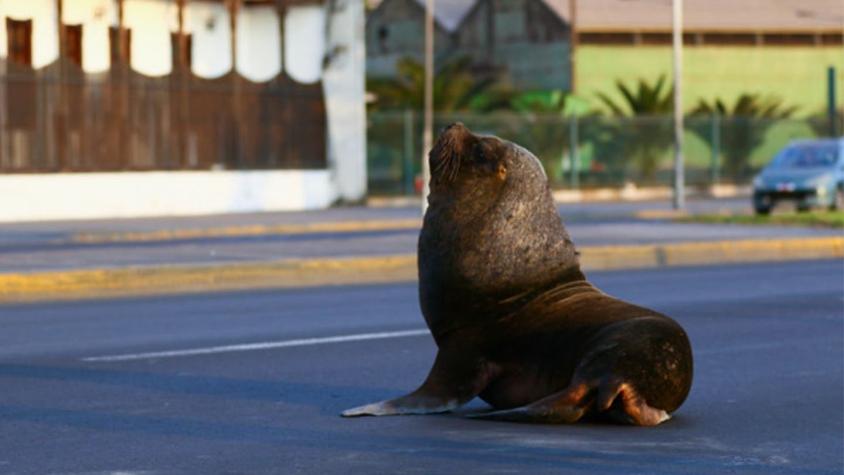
{"x":455,"y":379}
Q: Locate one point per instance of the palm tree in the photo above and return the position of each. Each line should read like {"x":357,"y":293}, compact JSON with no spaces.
{"x":742,"y":126}
{"x":539,"y":125}
{"x":456,"y":87}
{"x":640,"y":129}
{"x":647,"y":99}
{"x":543,"y":102}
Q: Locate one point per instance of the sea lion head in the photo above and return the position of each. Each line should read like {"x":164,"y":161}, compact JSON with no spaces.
{"x":476,"y":169}
{"x":491,"y":232}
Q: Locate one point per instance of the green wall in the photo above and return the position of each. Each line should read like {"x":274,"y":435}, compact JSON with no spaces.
{"x":796,"y":74}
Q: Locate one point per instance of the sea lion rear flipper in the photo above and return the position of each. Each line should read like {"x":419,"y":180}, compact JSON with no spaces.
{"x":564,"y":407}
{"x":613,"y":398}
{"x":455,"y":379}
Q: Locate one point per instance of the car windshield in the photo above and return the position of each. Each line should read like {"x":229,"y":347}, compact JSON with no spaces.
{"x":807,"y":156}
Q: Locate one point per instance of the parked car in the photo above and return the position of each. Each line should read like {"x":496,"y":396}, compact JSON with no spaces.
{"x":807,"y":172}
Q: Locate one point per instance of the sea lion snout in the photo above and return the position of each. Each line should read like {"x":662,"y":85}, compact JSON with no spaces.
{"x":455,"y":141}
{"x":484,"y":155}
{"x":452,"y":140}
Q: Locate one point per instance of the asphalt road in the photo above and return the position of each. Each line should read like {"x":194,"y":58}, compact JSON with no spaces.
{"x":51,"y":231}
{"x":768,"y":395}
{"x":34,"y":247}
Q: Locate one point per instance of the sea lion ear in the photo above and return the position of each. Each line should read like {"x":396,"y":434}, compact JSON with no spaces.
{"x":502,"y":171}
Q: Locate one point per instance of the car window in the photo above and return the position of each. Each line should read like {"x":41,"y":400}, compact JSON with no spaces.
{"x":807,"y":156}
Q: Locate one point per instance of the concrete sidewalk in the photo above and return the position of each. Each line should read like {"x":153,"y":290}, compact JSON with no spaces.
{"x":71,"y":260}
{"x":353,"y":218}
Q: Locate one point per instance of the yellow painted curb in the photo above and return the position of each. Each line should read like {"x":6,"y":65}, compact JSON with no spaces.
{"x":245,"y":231}
{"x":710,"y":252}
{"x":184,"y":279}
{"x":95,"y":283}
{"x":661,"y":214}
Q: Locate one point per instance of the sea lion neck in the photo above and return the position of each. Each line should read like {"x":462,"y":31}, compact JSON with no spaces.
{"x":482,"y":246}
{"x":515,"y":243}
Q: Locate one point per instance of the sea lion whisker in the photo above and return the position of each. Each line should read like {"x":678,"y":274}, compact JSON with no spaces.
{"x":455,"y":170}
{"x":442,"y":161}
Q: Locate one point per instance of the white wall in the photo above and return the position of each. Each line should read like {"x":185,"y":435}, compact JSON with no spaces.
{"x":258,"y":43}
{"x":211,"y":50}
{"x":95,"y":16}
{"x":304,"y":43}
{"x":43,"y":13}
{"x":135,"y":194}
{"x":344,"y":87}
{"x":151,"y":22}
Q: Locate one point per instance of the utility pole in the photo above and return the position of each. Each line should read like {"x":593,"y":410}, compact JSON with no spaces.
{"x":428,"y":133}
{"x":830,"y":101}
{"x":679,"y":179}
{"x":572,"y":45}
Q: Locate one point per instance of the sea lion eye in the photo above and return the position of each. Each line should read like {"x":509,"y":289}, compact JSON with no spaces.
{"x":502,"y":171}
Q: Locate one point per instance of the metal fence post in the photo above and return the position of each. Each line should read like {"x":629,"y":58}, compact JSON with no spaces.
{"x":407,"y":155}
{"x":574,"y":155}
{"x":677,"y":42}
{"x":830,"y":97}
{"x":716,"y":147}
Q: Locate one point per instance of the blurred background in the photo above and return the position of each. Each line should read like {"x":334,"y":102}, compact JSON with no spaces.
{"x":298,"y":104}
{"x":587,"y":84}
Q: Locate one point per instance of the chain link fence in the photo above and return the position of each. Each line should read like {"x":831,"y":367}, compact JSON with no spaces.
{"x":609,"y":151}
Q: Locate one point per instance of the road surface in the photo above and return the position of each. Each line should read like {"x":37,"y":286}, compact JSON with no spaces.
{"x":81,"y":390}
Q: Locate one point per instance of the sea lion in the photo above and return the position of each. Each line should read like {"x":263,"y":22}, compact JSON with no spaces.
{"x":514,"y":318}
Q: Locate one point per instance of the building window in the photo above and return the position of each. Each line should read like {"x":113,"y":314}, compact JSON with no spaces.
{"x":745,"y":39}
{"x":383,"y":34}
{"x":19,"y":37}
{"x":649,"y":38}
{"x":607,"y":38}
{"x":832,"y":39}
{"x":790,"y":39}
{"x":73,"y":43}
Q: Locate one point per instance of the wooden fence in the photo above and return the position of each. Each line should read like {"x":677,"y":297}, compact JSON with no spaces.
{"x":60,"y":119}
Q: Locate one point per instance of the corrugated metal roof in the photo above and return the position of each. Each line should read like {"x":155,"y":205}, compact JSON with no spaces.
{"x":707,"y":15}
{"x":699,"y":15}
{"x":449,"y":13}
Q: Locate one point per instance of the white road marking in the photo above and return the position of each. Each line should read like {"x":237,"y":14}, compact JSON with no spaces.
{"x":258,"y":346}
{"x":269,"y":345}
